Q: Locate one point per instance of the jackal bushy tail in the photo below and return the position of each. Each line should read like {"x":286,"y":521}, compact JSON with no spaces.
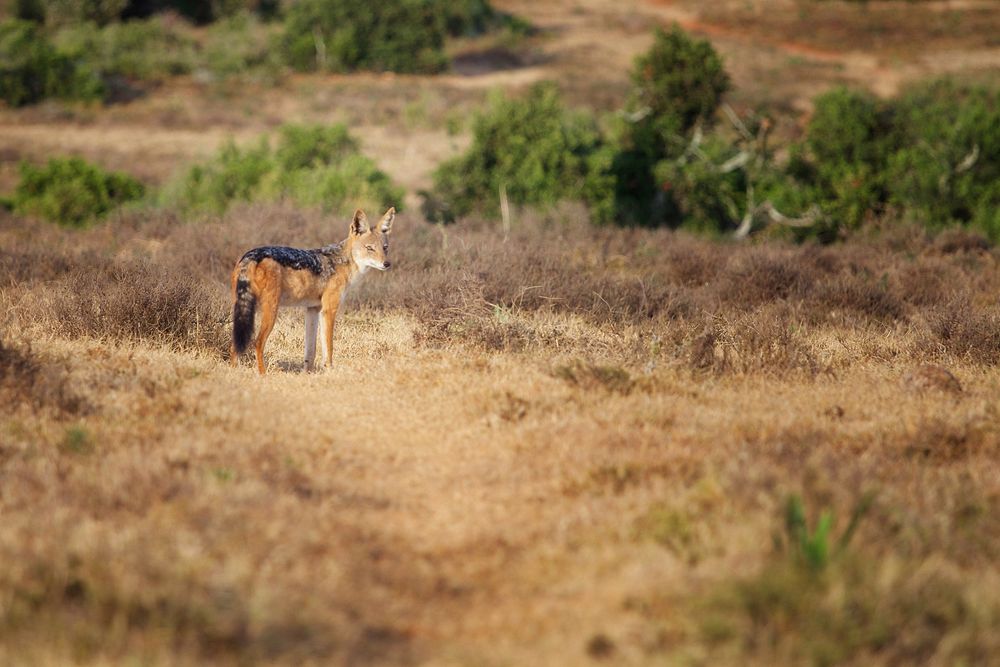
{"x":244,"y":306}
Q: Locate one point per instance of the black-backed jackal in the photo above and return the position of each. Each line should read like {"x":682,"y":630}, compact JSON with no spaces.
{"x":273,"y":276}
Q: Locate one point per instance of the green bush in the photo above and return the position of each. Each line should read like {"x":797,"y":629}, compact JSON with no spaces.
{"x":240,"y":45}
{"x":153,"y":49}
{"x":848,"y":142}
{"x":308,"y":146}
{"x":348,"y":35}
{"x":30,"y":10}
{"x":947,"y":166}
{"x":932,"y":155}
{"x":677,"y":84}
{"x":312,"y":166}
{"x":103,"y":12}
{"x":32,"y":68}
{"x":533,"y":147}
{"x":698,"y":194}
{"x":143,"y":50}
{"x":76,"y":11}
{"x":72,"y":192}
{"x":468,"y":18}
{"x":639,"y":173}
{"x":207,"y":11}
{"x":233,"y":175}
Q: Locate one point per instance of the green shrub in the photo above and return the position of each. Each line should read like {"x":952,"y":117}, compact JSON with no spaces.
{"x":312,"y":166}
{"x":932,"y":155}
{"x":947,"y":166}
{"x":66,"y":12}
{"x":233,"y":175}
{"x":700,"y":195}
{"x":678,"y":83}
{"x":240,"y":45}
{"x":533,"y":147}
{"x":199,"y":11}
{"x":32,"y":69}
{"x":144,"y":50}
{"x":207,"y":11}
{"x":347,"y":35}
{"x":468,"y":18}
{"x":848,"y":142}
{"x":307,"y":146}
{"x":30,"y":10}
{"x":72,"y":192}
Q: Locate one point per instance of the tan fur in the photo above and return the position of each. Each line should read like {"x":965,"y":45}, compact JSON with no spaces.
{"x":274,"y":285}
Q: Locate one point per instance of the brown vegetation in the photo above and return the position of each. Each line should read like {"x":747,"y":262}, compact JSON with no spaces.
{"x":747,"y":307}
{"x":620,"y":414}
{"x":560,"y":445}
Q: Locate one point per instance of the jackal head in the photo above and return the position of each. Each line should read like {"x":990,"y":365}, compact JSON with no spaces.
{"x":370,"y":246}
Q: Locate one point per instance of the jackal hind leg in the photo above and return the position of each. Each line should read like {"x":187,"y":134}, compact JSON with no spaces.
{"x":268,"y":314}
{"x":312,"y":325}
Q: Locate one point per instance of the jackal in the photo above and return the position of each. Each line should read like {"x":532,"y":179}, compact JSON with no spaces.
{"x":312,"y":279}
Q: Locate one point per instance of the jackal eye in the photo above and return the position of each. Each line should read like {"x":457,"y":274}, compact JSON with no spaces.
{"x":370,"y":248}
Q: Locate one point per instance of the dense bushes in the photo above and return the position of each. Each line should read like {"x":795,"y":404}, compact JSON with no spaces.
{"x":678,"y":84}
{"x":312,"y":166}
{"x":81,"y":49}
{"x":396,"y":35}
{"x":345,"y":35}
{"x":533,"y":148}
{"x":468,"y":18}
{"x":677,"y":87}
{"x":75,"y":11}
{"x":932,"y":155}
{"x":946,"y":166}
{"x":541,"y":153}
{"x":205,"y":11}
{"x":138,"y":50}
{"x":104,"y":12}
{"x":32,"y":69}
{"x":72,"y":192}
{"x":316,"y":166}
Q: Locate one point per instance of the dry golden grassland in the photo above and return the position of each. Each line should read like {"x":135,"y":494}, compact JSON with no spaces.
{"x":566,"y":445}
{"x":574,"y":445}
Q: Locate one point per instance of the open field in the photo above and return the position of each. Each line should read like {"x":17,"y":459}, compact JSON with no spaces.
{"x":557,"y":444}
{"x":572,"y":439}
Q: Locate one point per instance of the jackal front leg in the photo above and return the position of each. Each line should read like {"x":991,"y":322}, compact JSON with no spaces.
{"x":328,"y":315}
{"x":312,"y":326}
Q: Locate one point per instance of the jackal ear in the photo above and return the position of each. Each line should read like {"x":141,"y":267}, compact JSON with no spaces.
{"x":386,"y":225}
{"x":359,"y":225}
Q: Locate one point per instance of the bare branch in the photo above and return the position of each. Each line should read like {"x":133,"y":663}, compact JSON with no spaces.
{"x":774,"y":216}
{"x":968,"y":161}
{"x":637,"y":115}
{"x":738,"y":161}
{"x":737,"y":123}
{"x":505,"y":211}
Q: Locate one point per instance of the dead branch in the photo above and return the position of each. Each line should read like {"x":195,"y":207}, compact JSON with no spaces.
{"x":775,"y":216}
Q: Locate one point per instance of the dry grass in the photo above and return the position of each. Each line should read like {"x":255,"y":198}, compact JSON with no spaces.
{"x":554,"y":283}
{"x":569,"y":445}
{"x":565,"y":446}
{"x":888,"y":27}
